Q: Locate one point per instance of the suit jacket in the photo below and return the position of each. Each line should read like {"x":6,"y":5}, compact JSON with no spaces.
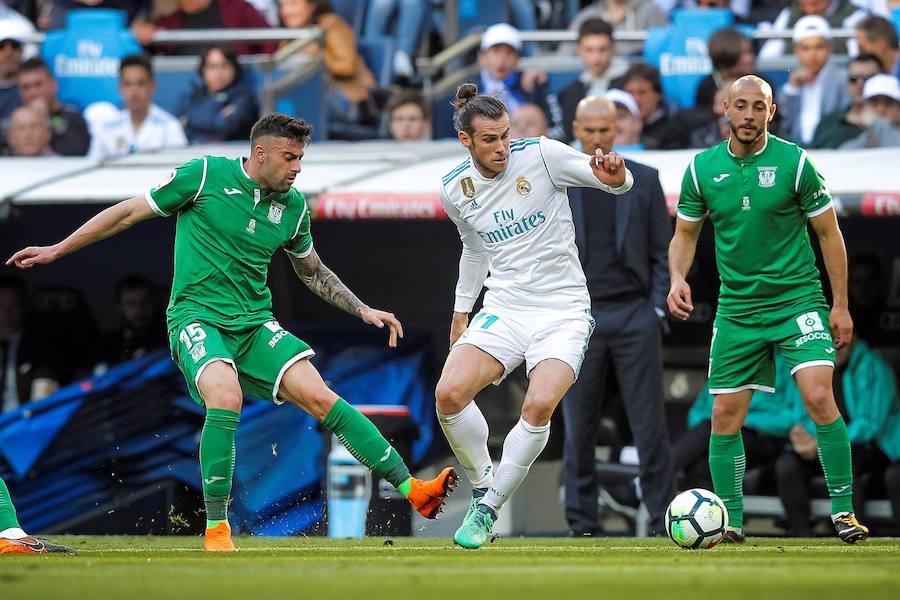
{"x":643,"y":229}
{"x":834,"y":97}
{"x":569,"y":98}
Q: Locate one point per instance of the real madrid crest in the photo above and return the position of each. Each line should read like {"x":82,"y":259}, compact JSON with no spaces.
{"x":468,"y":187}
{"x":275,"y":212}
{"x":766,"y":176}
{"x":523,"y":186}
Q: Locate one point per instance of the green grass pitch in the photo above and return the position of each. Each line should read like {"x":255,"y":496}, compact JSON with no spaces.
{"x":163,"y":568}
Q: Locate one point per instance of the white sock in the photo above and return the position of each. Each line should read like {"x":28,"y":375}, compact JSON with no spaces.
{"x":467,"y":433}
{"x":521,"y":448}
{"x":13,"y":533}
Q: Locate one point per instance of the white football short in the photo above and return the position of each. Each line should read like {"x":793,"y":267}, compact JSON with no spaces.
{"x":516,"y":336}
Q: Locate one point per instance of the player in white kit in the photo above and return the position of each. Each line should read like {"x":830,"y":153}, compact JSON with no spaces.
{"x":509,"y":202}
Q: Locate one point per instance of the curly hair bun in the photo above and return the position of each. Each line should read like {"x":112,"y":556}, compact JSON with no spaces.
{"x":465,"y":93}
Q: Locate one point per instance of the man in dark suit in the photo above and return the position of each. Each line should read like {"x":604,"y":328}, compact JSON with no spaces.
{"x":622,"y":242}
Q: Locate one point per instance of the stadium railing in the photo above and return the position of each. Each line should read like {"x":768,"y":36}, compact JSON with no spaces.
{"x":450,"y":59}
{"x":280,"y":72}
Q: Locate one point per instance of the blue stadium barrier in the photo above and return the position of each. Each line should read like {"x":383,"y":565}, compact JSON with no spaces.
{"x":304,"y":100}
{"x":352,"y":11}
{"x":95,"y":442}
{"x":680,"y":53}
{"x":478,"y":15}
{"x":85,"y":55}
{"x":378,"y":54}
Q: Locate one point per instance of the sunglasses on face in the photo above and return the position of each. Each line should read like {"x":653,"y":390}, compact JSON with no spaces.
{"x":14,"y":44}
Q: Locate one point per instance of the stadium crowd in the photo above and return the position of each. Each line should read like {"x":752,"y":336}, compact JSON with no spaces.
{"x":823,"y":89}
{"x":842,"y":93}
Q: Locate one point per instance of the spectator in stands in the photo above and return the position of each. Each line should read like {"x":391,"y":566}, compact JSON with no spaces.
{"x":866,"y":392}
{"x":11,"y":41}
{"x":407,"y":20}
{"x":817,"y":88}
{"x":500,"y":74}
{"x":142,"y":328}
{"x":409,"y":116}
{"x":141,"y":126}
{"x":889,"y":442}
{"x":731,"y":53}
{"x":53,"y":12}
{"x":25,"y":374}
{"x":221,"y":105}
{"x":622,"y":243}
{"x":844,"y":124}
{"x":208,"y":14}
{"x":623,"y":15}
{"x":27,"y":8}
{"x":876,"y":35}
{"x":528,"y":121}
{"x":38,"y":85}
{"x":880,"y":114}
{"x":29,"y":132}
{"x":349,"y":98}
{"x":269,"y":10}
{"x":628,"y":121}
{"x":596,"y":50}
{"x":765,"y":434}
{"x":16,"y":27}
{"x":839,"y":14}
{"x":660,"y":130}
{"x":716,"y":127}
{"x":866,"y":294}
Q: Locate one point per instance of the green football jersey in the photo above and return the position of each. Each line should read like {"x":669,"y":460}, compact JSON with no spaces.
{"x":225,"y":236}
{"x":759,"y":206}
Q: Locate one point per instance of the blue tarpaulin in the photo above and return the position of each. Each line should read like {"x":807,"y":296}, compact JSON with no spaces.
{"x":93,"y":442}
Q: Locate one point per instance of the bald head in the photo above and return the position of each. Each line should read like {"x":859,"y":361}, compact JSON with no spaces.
{"x":749,"y":109}
{"x":750,"y":84}
{"x":595,"y":124}
{"x":29,"y":131}
{"x":594,"y":106}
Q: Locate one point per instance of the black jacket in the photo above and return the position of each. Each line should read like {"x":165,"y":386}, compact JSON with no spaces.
{"x":643,"y":229}
{"x":569,"y":97}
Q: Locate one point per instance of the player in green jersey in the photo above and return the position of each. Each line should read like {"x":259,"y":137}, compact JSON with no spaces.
{"x":13,"y":540}
{"x":759,"y":191}
{"x":232,"y":217}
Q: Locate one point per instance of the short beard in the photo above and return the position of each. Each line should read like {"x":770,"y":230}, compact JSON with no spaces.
{"x":735,"y":133}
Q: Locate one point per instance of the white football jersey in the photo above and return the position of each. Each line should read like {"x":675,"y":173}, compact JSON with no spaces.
{"x":518,"y":226}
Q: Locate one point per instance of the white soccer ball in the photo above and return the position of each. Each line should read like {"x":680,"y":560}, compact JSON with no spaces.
{"x":696,"y":519}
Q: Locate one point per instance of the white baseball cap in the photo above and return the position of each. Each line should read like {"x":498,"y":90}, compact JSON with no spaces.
{"x":882,"y":85}
{"x":811,"y":26}
{"x":10,"y":30}
{"x":617,"y":96}
{"x":501,"y":33}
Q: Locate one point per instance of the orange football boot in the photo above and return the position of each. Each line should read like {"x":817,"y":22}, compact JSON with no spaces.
{"x":30,"y":545}
{"x":428,"y":497}
{"x":218,"y":539}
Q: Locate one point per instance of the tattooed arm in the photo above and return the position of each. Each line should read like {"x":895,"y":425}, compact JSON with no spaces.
{"x":326,"y":285}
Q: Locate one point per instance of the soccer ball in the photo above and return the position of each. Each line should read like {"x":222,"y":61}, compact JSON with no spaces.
{"x":696,"y":519}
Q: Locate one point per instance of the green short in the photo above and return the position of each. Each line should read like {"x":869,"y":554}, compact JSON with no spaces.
{"x":260,"y":355}
{"x":741,"y":354}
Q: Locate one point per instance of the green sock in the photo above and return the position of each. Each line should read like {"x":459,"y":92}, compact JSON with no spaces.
{"x":726,"y":466}
{"x":834,"y":454}
{"x":217,"y":462}
{"x":7,"y":510}
{"x":366,"y":444}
